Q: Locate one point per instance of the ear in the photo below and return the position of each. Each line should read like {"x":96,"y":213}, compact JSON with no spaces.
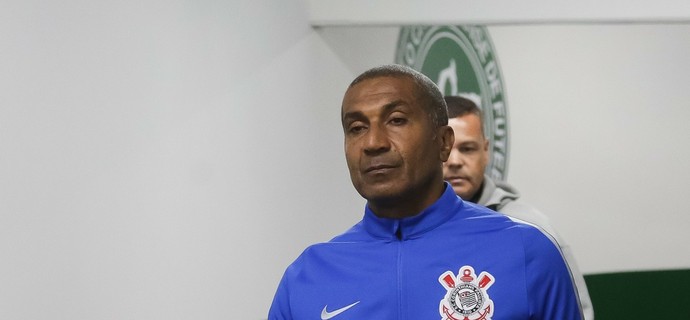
{"x":486,"y":150}
{"x":446,"y":138}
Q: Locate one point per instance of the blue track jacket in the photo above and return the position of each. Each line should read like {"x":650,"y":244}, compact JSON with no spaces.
{"x":454,"y":260}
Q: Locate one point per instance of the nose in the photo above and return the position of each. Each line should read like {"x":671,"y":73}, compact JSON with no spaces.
{"x":455,"y":159}
{"x":376,"y":140}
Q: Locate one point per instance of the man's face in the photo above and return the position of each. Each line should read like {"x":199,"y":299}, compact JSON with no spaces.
{"x":392,"y":150}
{"x":468,"y":158}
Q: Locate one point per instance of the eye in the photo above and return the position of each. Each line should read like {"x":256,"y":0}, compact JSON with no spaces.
{"x":398,"y":121}
{"x":467,"y":149}
{"x":356,"y":128}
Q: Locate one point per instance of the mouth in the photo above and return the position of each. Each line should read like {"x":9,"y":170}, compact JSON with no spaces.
{"x":455,"y":180}
{"x":379,"y":168}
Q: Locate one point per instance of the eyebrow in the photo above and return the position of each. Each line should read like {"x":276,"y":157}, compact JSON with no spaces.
{"x":387,"y":108}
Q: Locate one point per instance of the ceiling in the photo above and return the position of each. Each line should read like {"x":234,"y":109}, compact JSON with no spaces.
{"x":490,"y":12}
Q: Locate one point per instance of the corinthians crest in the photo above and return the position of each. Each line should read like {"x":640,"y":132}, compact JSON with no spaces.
{"x":466,"y":298}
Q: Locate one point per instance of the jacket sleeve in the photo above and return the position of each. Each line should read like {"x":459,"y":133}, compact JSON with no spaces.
{"x":580,"y":284}
{"x":280,"y":308}
{"x":550,"y":287}
{"x":529,"y":214}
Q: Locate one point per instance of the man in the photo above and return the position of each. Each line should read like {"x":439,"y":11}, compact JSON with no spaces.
{"x":465,"y":171}
{"x":420,"y":252}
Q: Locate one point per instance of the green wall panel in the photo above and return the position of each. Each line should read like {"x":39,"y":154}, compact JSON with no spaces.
{"x":663,"y":294}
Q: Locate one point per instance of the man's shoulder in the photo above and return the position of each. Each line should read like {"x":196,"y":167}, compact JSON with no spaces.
{"x":317,"y":253}
{"x":356,"y":233}
{"x":505,"y":198}
{"x":496,"y":194}
{"x":477,"y":218}
{"x":351,"y":237}
{"x":523,"y":211}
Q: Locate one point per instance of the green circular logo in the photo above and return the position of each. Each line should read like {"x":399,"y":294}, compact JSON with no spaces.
{"x":462,"y":61}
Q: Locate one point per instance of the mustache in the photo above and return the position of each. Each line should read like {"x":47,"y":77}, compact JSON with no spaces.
{"x":378,"y":163}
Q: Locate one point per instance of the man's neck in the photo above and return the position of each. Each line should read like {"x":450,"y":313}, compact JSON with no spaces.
{"x":477,"y":195}
{"x":404,"y":206}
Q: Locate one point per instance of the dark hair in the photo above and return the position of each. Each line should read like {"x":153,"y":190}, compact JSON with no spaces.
{"x":426,"y":89}
{"x":459,"y":106}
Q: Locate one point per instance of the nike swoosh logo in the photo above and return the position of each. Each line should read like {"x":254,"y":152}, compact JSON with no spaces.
{"x":325,"y":315}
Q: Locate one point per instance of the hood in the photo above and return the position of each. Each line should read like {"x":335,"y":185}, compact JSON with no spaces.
{"x":497,"y":194}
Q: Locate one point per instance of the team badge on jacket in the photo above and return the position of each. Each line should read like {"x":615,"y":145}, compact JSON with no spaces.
{"x":467,"y":297}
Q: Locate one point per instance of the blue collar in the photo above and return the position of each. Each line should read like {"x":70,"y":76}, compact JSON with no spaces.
{"x":413,"y":227}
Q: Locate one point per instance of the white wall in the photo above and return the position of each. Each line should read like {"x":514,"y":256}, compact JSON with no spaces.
{"x":600,"y":139}
{"x":163,"y":159}
{"x":599,"y":134}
